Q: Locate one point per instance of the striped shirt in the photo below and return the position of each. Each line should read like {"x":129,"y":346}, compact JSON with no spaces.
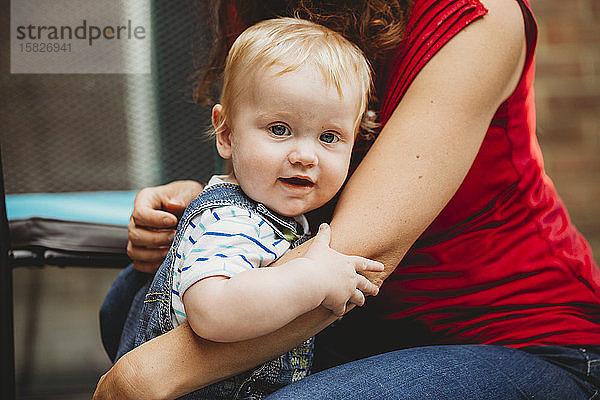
{"x":223,"y":241}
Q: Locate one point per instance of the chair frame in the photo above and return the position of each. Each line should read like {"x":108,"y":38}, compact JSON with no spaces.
{"x":7,"y":355}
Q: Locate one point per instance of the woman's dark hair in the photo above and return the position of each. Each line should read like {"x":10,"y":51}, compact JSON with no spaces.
{"x":375,"y":26}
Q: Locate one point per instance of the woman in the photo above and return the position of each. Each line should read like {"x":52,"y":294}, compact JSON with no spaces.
{"x":483,"y":266}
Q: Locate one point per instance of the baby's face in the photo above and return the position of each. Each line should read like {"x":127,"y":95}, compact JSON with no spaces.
{"x":290,"y":139}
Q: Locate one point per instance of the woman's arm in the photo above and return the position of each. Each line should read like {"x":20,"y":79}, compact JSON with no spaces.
{"x":431,"y":140}
{"x":179,"y":362}
{"x":411,"y":172}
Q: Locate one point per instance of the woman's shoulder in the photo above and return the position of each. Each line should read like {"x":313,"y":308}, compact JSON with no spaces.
{"x":506,"y":17}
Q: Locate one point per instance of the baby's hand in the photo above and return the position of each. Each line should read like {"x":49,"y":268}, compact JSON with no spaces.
{"x":339,"y":274}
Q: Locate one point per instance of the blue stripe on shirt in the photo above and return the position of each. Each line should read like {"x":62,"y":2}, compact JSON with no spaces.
{"x":221,"y":256}
{"x":180,"y":313}
{"x":244,"y":223}
{"x":259,"y":244}
{"x":245,"y":259}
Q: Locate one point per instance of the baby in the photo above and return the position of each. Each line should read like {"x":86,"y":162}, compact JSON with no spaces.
{"x":294,"y":98}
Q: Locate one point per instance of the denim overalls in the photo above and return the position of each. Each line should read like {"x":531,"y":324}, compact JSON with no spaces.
{"x":150,"y":312}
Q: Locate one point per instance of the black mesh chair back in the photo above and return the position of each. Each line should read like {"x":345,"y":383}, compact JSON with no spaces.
{"x":67,"y":133}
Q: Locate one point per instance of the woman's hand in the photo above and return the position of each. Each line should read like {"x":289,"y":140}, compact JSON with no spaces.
{"x":154,"y":219}
{"x":339,"y":274}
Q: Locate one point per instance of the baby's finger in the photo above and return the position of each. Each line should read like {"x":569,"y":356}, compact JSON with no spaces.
{"x":357,"y":298}
{"x":323,"y":236}
{"x":367,"y":287}
{"x":339,"y":311}
{"x":364,"y":264}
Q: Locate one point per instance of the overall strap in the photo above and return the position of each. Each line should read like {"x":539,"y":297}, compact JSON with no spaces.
{"x":229,"y":194}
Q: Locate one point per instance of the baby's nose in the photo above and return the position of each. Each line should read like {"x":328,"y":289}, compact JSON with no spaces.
{"x":303,"y":154}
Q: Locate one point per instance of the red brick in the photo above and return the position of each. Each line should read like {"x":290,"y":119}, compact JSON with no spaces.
{"x":593,"y":237}
{"x":550,"y":69}
{"x":593,"y":8}
{"x":581,"y":199}
{"x":569,"y":33}
{"x":557,"y":131}
{"x":553,"y":8}
{"x":575,"y":103}
{"x":573,"y":161}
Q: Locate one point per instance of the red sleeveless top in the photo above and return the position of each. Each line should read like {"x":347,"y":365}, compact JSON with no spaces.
{"x":502,"y":263}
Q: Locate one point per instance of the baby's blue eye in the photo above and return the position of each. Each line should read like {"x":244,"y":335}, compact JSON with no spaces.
{"x":329,"y":137}
{"x":279,"y":130}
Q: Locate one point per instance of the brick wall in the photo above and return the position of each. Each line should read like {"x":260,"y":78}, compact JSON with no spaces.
{"x":568,"y":105}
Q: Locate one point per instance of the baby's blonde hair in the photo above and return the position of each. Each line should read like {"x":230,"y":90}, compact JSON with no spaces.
{"x":294,"y":43}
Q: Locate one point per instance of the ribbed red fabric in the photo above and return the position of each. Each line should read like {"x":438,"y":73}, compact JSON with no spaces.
{"x":431,"y":25}
{"x":502,"y":263}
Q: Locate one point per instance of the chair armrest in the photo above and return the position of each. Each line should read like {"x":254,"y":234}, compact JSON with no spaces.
{"x":69,"y":229}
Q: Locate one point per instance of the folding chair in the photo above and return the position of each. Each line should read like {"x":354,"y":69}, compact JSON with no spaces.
{"x":7,"y":355}
{"x":65,"y":229}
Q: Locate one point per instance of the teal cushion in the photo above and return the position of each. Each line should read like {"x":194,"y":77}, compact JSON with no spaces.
{"x":96,"y":207}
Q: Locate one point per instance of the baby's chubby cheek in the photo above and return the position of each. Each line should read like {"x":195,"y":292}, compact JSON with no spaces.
{"x":248,"y":169}
{"x":251,"y":175}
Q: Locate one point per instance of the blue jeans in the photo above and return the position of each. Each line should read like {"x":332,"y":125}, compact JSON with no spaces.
{"x":124,"y":293}
{"x":459,"y":372}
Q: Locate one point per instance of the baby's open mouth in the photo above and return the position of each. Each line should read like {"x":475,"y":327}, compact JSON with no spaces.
{"x":296,"y":181}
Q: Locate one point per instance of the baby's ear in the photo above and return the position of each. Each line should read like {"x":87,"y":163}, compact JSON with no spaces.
{"x":222,"y":132}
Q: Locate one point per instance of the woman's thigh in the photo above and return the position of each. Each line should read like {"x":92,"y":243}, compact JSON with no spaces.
{"x":116,"y":305}
{"x":452,"y":372}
